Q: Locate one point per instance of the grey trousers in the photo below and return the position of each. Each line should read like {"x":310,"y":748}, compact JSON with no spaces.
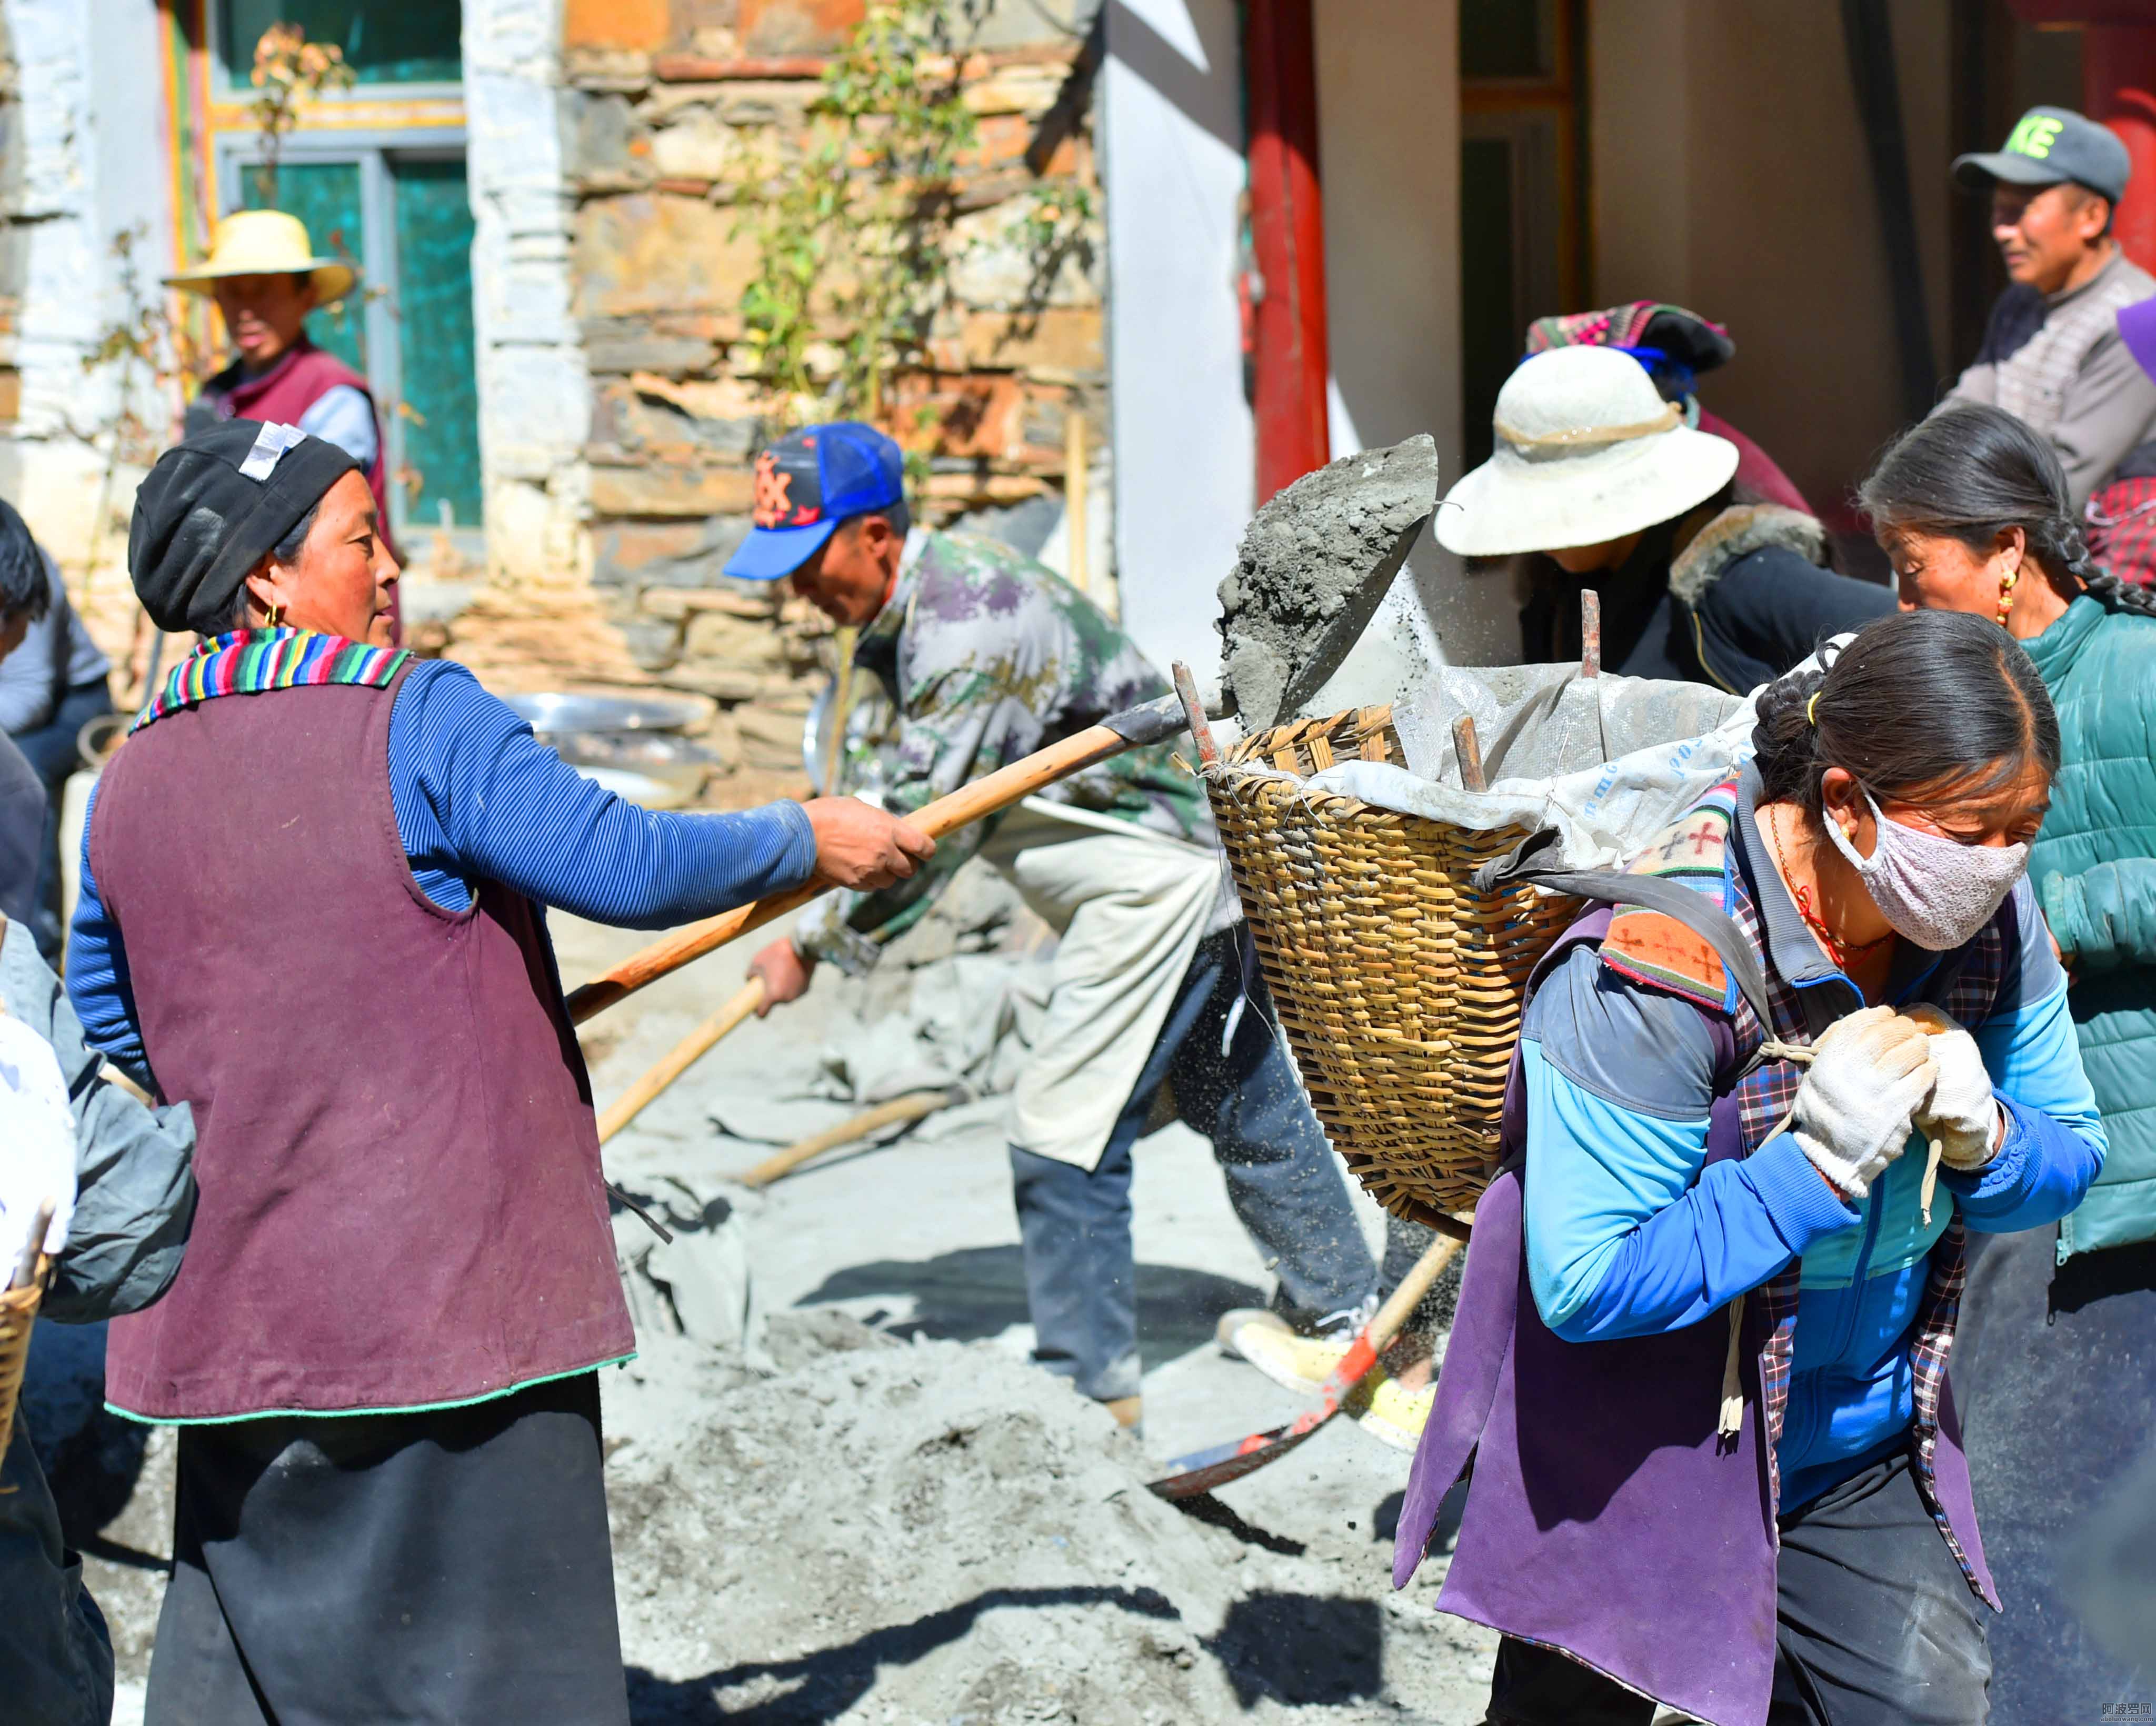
{"x":1234,"y":1083}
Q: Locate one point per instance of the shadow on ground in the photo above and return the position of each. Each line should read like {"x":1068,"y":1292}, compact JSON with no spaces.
{"x":980,"y":1292}
{"x":1291,"y":1648}
{"x":832,"y":1680}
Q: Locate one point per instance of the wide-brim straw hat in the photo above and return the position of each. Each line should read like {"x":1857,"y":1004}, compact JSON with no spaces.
{"x":1587,"y":451}
{"x":266,"y":242}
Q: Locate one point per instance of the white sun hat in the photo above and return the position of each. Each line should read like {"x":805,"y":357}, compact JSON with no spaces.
{"x":1587,"y":451}
{"x":260,"y":243}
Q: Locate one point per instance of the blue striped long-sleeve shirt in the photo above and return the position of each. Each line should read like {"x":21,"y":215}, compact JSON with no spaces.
{"x":477,"y":797}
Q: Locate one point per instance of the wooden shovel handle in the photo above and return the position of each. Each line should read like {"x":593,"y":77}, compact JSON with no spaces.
{"x":912,"y":1107}
{"x":985,"y":795}
{"x":679,"y":1059}
{"x":1400,"y":1304}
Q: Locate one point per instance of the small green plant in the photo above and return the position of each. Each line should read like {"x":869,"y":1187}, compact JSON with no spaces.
{"x":852,"y":241}
{"x":291,"y":72}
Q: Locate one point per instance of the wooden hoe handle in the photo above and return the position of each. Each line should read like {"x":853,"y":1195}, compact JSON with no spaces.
{"x":679,"y":1059}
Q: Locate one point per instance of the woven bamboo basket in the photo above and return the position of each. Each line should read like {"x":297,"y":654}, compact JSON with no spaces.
{"x":18,"y":1315}
{"x":1397,"y":985}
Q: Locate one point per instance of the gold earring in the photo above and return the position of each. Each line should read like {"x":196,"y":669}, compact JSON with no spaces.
{"x":2006,"y":593}
{"x":273,"y":617}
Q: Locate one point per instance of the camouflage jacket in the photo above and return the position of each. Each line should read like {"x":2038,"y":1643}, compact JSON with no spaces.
{"x":987,"y":657}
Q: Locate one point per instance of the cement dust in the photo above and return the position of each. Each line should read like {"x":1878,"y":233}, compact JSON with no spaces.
{"x":939,"y":1531}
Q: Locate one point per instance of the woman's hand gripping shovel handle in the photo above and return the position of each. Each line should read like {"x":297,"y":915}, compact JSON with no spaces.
{"x":1132,"y":728}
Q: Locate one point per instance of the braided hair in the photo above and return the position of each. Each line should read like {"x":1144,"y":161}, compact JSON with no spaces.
{"x":1970,"y":473}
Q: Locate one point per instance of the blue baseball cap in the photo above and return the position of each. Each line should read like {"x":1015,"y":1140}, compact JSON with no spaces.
{"x":807,"y":484}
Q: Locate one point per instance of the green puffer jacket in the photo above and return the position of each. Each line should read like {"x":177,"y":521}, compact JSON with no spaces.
{"x":2094,"y":868}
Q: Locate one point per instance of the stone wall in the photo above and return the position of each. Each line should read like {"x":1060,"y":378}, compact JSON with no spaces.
{"x":664,"y":101}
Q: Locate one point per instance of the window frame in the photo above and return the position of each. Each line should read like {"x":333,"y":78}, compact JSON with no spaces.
{"x":224,"y":90}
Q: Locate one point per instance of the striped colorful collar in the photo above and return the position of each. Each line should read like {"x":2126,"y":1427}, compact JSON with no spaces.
{"x":247,"y":661}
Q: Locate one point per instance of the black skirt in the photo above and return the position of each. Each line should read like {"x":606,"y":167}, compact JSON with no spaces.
{"x":451,"y":1565}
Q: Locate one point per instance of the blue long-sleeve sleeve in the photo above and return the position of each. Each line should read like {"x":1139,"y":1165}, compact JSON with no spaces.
{"x":477,"y":797}
{"x":98,"y":986}
{"x":2053,"y":1144}
{"x":1622,"y":1241}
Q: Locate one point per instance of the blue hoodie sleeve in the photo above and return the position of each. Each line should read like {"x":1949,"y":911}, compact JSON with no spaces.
{"x":1628,"y":1232}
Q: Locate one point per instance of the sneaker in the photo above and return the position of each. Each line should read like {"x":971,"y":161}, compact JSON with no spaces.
{"x":1391,"y":1413}
{"x":1129,"y":1412}
{"x":1261,"y":1336}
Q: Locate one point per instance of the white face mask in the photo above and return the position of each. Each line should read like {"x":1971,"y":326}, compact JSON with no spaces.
{"x":1935,"y":892}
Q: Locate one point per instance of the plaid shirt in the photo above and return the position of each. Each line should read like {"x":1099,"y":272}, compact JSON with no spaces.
{"x":2120,"y":527}
{"x":1650,"y":948}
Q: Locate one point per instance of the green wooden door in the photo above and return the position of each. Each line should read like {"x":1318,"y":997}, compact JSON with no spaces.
{"x":433,"y":304}
{"x":325,"y":195}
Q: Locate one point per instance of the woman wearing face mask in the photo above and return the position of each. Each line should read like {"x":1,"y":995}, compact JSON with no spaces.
{"x":1699,"y":1362}
{"x":2052,"y":1375}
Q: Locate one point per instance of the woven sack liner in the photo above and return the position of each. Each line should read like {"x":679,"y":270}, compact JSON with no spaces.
{"x":1398,"y":988}
{"x":18,"y":1314}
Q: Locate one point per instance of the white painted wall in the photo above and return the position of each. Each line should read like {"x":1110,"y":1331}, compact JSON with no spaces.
{"x":1172,"y":133}
{"x":535,"y":400}
{"x":90,"y":161}
{"x":1388,"y":155}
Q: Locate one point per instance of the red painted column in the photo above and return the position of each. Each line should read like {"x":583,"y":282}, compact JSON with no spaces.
{"x":1287,"y":239}
{"x":2119,"y":87}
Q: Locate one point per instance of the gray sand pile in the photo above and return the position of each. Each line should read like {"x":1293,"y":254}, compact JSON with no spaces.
{"x":1314,"y":564}
{"x":939,"y":1531}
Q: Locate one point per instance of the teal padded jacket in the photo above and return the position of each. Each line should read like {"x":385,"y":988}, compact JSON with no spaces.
{"x":2094,"y":867}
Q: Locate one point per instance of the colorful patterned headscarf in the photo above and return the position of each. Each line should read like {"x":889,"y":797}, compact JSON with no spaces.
{"x":1673,"y":344}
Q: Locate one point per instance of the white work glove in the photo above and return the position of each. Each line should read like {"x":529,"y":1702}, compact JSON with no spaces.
{"x":1961,"y":1116}
{"x":1872,"y":1070}
{"x":37,"y":1143}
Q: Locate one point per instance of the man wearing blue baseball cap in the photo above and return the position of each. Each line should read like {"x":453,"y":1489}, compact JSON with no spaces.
{"x":2051,"y":354}
{"x":987,"y":656}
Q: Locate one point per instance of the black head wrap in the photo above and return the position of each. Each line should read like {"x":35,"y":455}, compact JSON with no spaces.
{"x":214,"y":508}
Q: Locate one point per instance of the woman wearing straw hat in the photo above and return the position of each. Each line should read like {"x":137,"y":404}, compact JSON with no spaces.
{"x":1597,"y":472}
{"x":312,"y":906}
{"x":263,"y":274}
{"x":2053,"y":1374}
{"x":1699,"y":1365}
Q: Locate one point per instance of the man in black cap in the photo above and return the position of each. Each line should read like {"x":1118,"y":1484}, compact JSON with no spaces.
{"x":2052,"y":355}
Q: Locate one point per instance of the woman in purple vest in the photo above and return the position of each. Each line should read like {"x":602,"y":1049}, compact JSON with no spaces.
{"x":312,"y":907}
{"x":1700,"y":1358}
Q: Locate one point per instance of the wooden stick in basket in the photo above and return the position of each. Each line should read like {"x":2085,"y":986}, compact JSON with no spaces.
{"x":1150,"y":723}
{"x":1194,"y":714}
{"x":1468,"y":748}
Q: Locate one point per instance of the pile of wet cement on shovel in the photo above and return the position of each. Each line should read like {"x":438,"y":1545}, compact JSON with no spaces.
{"x":940,"y":1532}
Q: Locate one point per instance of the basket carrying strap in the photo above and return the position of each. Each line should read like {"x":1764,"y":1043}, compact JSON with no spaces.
{"x":1672,"y":898}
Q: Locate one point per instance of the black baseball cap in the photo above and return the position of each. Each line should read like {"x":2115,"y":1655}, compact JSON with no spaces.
{"x":2048,"y":147}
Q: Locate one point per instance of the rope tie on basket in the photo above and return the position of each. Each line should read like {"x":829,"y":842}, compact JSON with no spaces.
{"x":1586,"y":436}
